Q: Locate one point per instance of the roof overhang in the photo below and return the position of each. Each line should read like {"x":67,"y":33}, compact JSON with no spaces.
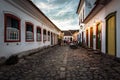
{"x":99,"y":4}
{"x":80,"y":6}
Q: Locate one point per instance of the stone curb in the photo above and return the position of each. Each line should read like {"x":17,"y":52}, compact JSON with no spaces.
{"x":25,"y":53}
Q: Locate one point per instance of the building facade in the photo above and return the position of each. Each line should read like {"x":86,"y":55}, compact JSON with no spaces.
{"x":101,"y":27}
{"x":24,"y":27}
{"x":67,"y":36}
{"x":70,"y":35}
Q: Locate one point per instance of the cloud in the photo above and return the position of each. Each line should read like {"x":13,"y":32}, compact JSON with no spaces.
{"x":67,"y":24}
{"x":61,"y":12}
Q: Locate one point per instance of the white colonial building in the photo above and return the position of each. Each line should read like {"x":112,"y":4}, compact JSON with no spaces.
{"x":24,"y":27}
{"x":101,"y":26}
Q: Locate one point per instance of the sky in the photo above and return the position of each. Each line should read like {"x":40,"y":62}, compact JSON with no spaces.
{"x":61,"y":12}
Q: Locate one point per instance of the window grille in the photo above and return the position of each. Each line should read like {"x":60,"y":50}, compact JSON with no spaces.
{"x":38,"y":34}
{"x":12,"y":34}
{"x":29,"y":32}
{"x":44,"y":37}
{"x":29,"y":35}
{"x":12,"y":28}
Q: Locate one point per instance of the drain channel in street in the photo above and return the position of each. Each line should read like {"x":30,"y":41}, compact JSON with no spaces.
{"x":63,"y":68}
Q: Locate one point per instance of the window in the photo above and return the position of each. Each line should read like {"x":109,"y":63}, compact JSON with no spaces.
{"x":44,"y":35}
{"x":12,"y":28}
{"x":29,"y":32}
{"x":48,"y":35}
{"x":38,"y":34}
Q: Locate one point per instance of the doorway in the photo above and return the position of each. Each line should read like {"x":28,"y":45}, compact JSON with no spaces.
{"x":111,"y":34}
{"x":87,"y":37}
{"x":82,"y":38}
{"x":98,"y":36}
{"x":51,"y":38}
{"x":91,"y":37}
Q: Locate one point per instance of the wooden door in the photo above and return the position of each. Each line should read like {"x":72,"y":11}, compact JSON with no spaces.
{"x":51,"y":38}
{"x":111,"y":36}
{"x":82,"y":37}
{"x":98,"y":36}
{"x":91,"y":37}
{"x":87,"y":37}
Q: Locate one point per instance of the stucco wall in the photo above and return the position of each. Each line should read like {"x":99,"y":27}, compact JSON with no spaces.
{"x":6,"y":48}
{"x":100,"y":17}
{"x":112,"y":7}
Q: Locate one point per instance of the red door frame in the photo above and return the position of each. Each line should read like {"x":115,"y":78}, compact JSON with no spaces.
{"x":87,"y":37}
{"x":97,"y":36}
{"x":91,"y":37}
{"x":82,"y":37}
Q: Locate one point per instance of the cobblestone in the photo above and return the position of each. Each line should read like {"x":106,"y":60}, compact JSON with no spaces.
{"x":63,"y":63}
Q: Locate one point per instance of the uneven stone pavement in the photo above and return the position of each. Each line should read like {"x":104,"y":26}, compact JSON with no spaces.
{"x":63,"y":63}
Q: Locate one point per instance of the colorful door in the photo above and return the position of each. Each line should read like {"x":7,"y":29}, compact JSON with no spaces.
{"x":91,"y":37}
{"x":54,"y":38}
{"x":98,"y":36}
{"x":87,"y":37}
{"x":111,"y":36}
{"x":82,"y":38}
{"x":51,"y":38}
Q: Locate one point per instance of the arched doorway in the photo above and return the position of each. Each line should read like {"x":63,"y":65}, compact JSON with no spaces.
{"x":91,"y":37}
{"x":98,"y":36}
{"x":87,"y":37}
{"x":111,"y":34}
{"x":82,"y":38}
{"x":51,"y":38}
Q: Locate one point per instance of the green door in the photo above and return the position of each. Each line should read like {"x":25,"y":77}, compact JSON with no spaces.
{"x":98,"y":36}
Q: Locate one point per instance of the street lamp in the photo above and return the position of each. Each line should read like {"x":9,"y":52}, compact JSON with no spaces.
{"x":81,"y":27}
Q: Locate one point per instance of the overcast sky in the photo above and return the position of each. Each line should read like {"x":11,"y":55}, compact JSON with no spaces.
{"x":61,"y":12}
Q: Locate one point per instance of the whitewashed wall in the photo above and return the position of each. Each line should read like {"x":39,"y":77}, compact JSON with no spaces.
{"x":96,"y":19}
{"x":7,"y":48}
{"x":100,"y":17}
{"x":115,"y":6}
{"x":81,"y":12}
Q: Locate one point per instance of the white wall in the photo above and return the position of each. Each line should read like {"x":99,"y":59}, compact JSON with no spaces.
{"x":81,"y":12}
{"x":100,"y":17}
{"x":97,"y":18}
{"x":7,"y":48}
{"x":112,"y":7}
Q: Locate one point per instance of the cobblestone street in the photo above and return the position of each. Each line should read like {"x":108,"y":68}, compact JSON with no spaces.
{"x":63,"y":63}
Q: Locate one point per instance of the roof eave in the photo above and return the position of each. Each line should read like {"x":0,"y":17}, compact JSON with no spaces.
{"x":79,"y":6}
{"x":43,"y":14}
{"x":99,"y":5}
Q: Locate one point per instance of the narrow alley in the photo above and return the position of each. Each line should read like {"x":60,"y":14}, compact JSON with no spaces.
{"x":62,"y":63}
{"x":37,"y":37}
